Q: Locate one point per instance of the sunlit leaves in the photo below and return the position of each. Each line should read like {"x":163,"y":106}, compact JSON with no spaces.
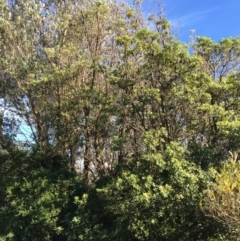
{"x":221,"y":200}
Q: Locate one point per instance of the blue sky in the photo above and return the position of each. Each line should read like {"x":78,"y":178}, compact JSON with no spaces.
{"x":216,"y":19}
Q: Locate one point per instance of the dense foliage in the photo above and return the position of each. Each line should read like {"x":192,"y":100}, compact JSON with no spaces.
{"x":112,"y":129}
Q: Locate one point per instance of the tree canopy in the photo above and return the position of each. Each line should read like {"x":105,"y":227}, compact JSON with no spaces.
{"x":112,"y":129}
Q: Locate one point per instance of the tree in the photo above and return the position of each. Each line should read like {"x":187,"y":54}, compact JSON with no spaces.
{"x":155,"y":199}
{"x":120,"y":116}
{"x":36,"y":203}
{"x":56,"y":75}
{"x":216,"y":115}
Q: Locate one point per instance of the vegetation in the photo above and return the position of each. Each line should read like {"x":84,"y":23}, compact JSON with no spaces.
{"x":221,"y":199}
{"x":114,"y":130}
